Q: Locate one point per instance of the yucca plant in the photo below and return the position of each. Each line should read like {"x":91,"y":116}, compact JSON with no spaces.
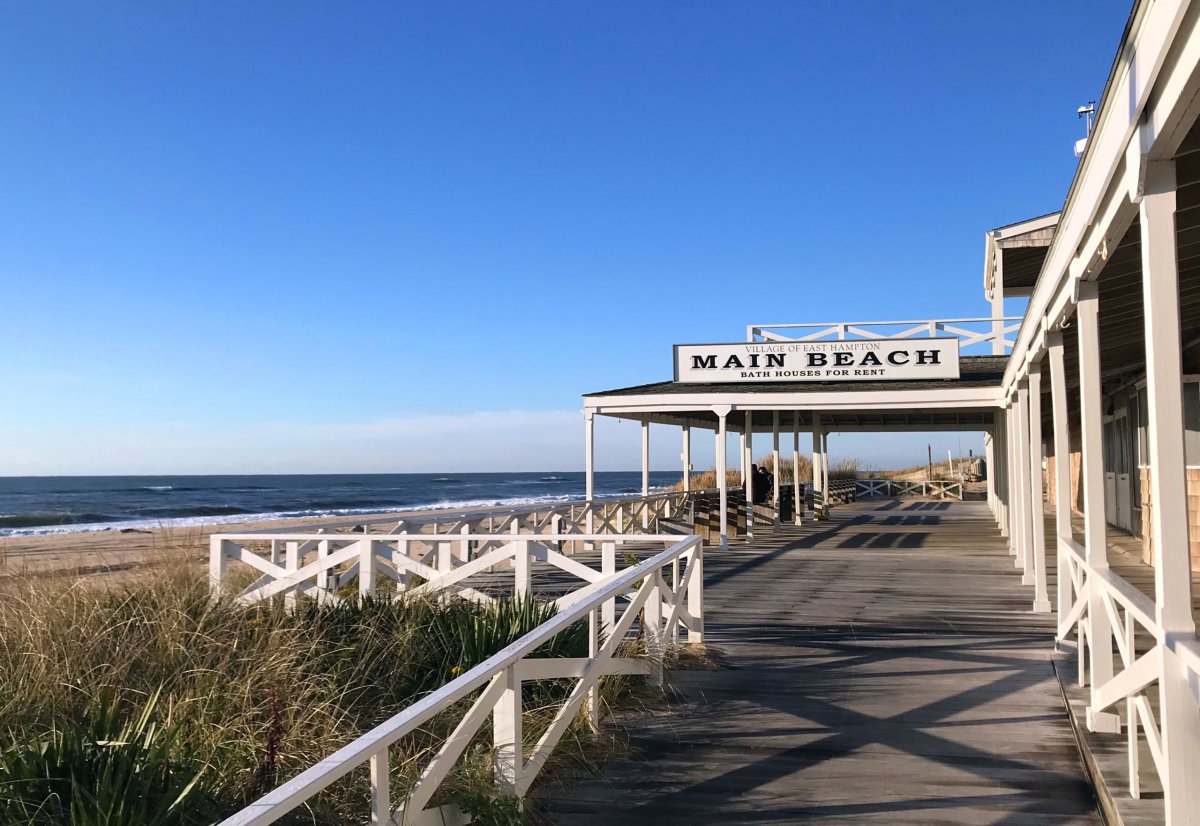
{"x":110,"y":770}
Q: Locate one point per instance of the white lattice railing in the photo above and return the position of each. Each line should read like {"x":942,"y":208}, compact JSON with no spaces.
{"x":1130,"y":620}
{"x":610,"y":514}
{"x":662,"y":594}
{"x":937,"y":488}
{"x":971,"y":332}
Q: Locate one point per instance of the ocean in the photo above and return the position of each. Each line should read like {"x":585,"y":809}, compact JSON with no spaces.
{"x":54,"y":504}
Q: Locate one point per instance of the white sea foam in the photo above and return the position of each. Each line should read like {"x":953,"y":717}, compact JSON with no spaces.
{"x":242,"y":518}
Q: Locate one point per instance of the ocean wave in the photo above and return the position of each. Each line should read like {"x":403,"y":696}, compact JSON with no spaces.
{"x":36,"y":520}
{"x":42,"y":524}
{"x":184,"y":511}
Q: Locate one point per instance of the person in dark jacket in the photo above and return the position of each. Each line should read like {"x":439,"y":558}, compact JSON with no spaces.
{"x":762,"y":485}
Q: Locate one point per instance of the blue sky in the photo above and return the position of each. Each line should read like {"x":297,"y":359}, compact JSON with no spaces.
{"x":389,"y":237}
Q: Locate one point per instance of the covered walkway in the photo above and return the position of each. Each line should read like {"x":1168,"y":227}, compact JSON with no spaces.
{"x":883,"y":667}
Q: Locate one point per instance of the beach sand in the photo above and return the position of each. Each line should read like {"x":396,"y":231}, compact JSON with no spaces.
{"x":86,"y":553}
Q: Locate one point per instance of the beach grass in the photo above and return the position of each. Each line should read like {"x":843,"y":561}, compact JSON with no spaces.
{"x":842,"y":469}
{"x":147,"y":690}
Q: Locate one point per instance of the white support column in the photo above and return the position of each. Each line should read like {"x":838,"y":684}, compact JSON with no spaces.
{"x":1014,"y":480}
{"x":1062,"y":466}
{"x":687,"y":458}
{"x":749,"y":474}
{"x":1041,"y":596}
{"x":1179,"y":714}
{"x":1100,"y":641}
{"x":825,"y":483}
{"x":589,"y":467}
{"x":989,"y":443}
{"x":645,"y":474}
{"x":797,"y":490}
{"x":816,"y":467}
{"x":776,"y":475}
{"x":998,"y":306}
{"x":1000,"y":455}
{"x":722,"y":480}
{"x":1024,"y":460}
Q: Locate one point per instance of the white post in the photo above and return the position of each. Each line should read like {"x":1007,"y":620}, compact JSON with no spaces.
{"x":1014,"y":480}
{"x":775,"y":462}
{"x":1179,"y":713}
{"x":589,"y":462}
{"x":818,"y":491}
{"x":748,"y":473}
{"x":687,"y":458}
{"x":608,"y":568}
{"x":507,"y":736}
{"x":797,"y":490}
{"x":645,"y":474}
{"x":366,"y":567}
{"x":1001,"y":456}
{"x":998,"y":306}
{"x":826,"y":484}
{"x":1025,"y":513}
{"x":1062,"y":466}
{"x":1100,"y":640}
{"x":722,"y":481}
{"x":988,"y":443}
{"x":216,"y":565}
{"x":695,"y":594}
{"x":381,"y":802}
{"x":1041,"y":597}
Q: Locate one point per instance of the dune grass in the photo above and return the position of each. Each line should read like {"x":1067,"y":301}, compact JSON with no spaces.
{"x":147,"y":702}
{"x":841,"y":469}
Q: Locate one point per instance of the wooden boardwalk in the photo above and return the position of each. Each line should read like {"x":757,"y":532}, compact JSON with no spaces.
{"x":884,"y":668}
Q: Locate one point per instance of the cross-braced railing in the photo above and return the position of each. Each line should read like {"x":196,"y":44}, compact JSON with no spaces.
{"x":606,"y":514}
{"x":971,"y":332}
{"x":1102,"y":608}
{"x":660,"y":595}
{"x":936,"y":488}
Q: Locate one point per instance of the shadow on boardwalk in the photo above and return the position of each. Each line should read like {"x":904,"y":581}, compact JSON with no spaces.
{"x":883,"y":668}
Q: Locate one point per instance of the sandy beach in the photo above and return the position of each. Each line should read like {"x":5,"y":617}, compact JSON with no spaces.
{"x":84,"y":553}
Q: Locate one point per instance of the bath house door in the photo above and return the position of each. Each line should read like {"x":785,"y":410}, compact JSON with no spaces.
{"x":1118,"y":491}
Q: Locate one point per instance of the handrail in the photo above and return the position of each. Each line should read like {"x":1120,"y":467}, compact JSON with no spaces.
{"x":1091,"y":593}
{"x":497,"y":670}
{"x":939,"y":488}
{"x":995,"y":330}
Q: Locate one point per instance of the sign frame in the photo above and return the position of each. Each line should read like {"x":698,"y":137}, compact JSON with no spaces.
{"x":939,"y":370}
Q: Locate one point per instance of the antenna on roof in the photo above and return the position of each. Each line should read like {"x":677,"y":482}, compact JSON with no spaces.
{"x":1088,"y":112}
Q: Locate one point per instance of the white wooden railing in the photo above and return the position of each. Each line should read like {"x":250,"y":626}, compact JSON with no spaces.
{"x":970,"y":331}
{"x":937,"y":488}
{"x":1132,"y":618}
{"x":615,"y":514}
{"x":318,"y":562}
{"x":663,"y":593}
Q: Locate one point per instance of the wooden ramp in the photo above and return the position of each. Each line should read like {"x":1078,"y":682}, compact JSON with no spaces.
{"x":881,"y":668}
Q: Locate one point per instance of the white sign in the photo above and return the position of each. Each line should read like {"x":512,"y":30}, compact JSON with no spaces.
{"x":882,"y":359}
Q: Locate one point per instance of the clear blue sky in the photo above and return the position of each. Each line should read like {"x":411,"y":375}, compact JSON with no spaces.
{"x":379,"y":236}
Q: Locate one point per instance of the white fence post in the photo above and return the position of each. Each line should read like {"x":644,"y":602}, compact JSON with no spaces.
{"x":608,"y":567}
{"x":366,"y":567}
{"x":291,"y":564}
{"x":695,"y":593}
{"x":507,"y":736}
{"x":381,"y":793}
{"x":521,"y":568}
{"x":216,"y":564}
{"x":593,"y":698}
{"x":652,"y":628}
